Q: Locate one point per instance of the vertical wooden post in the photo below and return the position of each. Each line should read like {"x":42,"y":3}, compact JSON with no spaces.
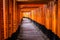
{"x":18,"y":14}
{"x":1,"y":21}
{"x":54,"y":18}
{"x":14,"y":16}
{"x":58,"y":25}
{"x":40,"y":15}
{"x":5,"y":17}
{"x":47,"y":17}
{"x":10,"y":15}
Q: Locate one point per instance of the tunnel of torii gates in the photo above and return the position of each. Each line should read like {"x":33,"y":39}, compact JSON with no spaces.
{"x":11,"y":12}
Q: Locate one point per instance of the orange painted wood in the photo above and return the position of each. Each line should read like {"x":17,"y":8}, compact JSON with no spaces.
{"x":1,"y":21}
{"x":10,"y":19}
{"x":54,"y":19}
{"x":47,"y":23}
{"x":58,"y":25}
{"x":37,"y":14}
{"x":18,"y":15}
{"x":14,"y":16}
{"x":44,"y":16}
{"x":5,"y":17}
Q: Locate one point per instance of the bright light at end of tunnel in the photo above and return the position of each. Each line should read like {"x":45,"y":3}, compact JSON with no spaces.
{"x":26,"y":14}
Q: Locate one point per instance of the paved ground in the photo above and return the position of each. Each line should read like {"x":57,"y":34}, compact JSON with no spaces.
{"x":29,"y":31}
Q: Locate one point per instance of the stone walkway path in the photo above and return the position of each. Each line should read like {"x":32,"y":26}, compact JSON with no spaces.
{"x":30,"y":31}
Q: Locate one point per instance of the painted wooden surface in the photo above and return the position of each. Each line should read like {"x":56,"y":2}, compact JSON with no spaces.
{"x":1,"y":21}
{"x":5,"y":17}
{"x":45,"y":14}
{"x":58,"y":25}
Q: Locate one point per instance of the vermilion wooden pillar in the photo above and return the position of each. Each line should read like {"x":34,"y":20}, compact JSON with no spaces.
{"x":39,"y":15}
{"x":58,"y":25}
{"x":1,"y":21}
{"x":10,"y":18}
{"x":54,"y":19}
{"x":14,"y":16}
{"x":35,"y":14}
{"x":18,"y":14}
{"x":5,"y":17}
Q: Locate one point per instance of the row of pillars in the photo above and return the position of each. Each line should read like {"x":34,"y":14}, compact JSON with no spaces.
{"x":10,"y":18}
{"x":46,"y":15}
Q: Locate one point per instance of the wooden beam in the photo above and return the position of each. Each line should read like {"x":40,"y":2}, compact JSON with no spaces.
{"x":34,"y":2}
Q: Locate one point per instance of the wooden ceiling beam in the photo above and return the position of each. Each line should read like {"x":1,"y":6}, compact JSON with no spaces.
{"x":34,"y":2}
